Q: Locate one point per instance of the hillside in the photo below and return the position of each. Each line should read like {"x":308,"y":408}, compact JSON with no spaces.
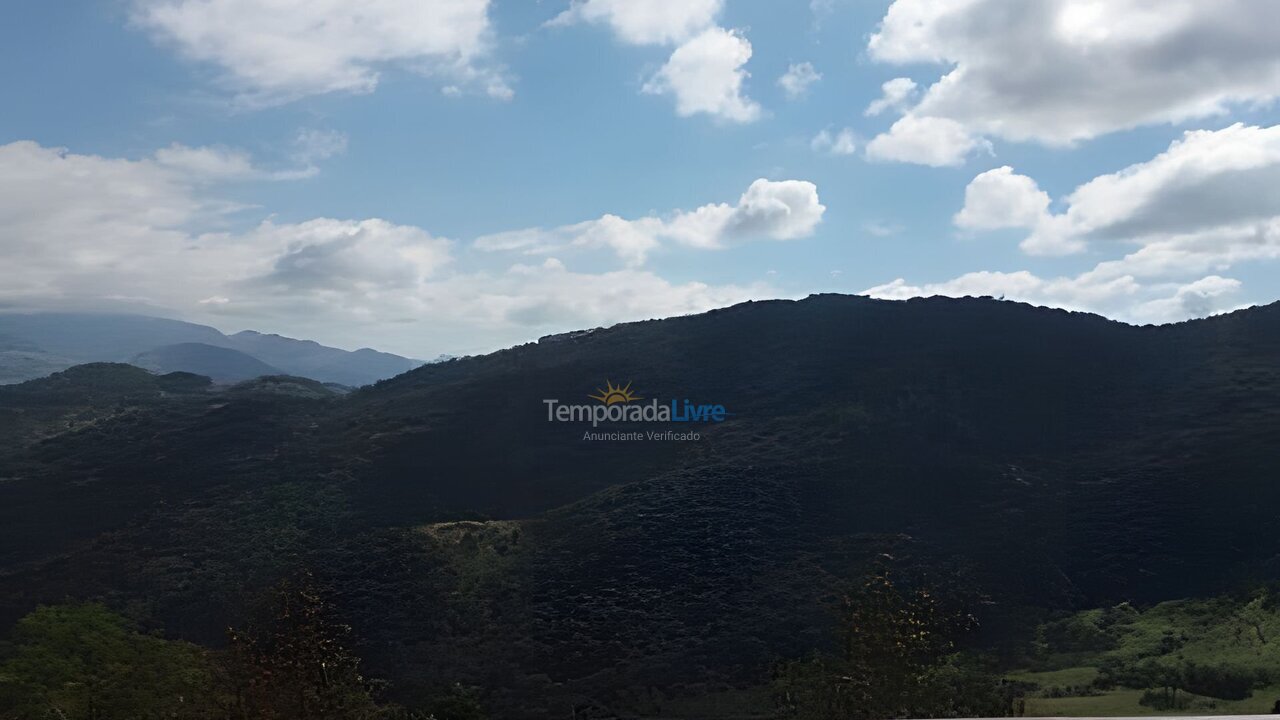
{"x":306,"y":358}
{"x":1025,"y":461}
{"x":36,"y":344}
{"x":220,"y":364}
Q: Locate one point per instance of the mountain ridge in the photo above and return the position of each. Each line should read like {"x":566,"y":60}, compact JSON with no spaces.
{"x":1036,"y":460}
{"x":51,"y":341}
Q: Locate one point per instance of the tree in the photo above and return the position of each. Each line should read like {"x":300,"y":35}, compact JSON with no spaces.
{"x":296,"y":665}
{"x":83,"y":662}
{"x":895,"y":660}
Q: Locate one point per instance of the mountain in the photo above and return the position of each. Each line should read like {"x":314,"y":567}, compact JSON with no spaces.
{"x":313,"y":360}
{"x":218,"y":363}
{"x":19,"y":365}
{"x":92,"y":337}
{"x":1020,"y":461}
{"x":35,"y":344}
{"x":21,"y":360}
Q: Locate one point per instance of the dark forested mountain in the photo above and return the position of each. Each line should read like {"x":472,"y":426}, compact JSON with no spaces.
{"x":35,"y":344}
{"x":1024,"y":461}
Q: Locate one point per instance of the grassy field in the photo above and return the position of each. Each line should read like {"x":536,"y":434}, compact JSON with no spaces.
{"x":1091,"y":663}
{"x":1124,"y":702}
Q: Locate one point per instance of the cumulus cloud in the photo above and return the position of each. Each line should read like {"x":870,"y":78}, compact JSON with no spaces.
{"x":92,"y":226}
{"x":1121,"y":297}
{"x":796,"y":80}
{"x":76,"y":230}
{"x":344,"y":256}
{"x":66,"y":219}
{"x":1207,"y":179}
{"x":768,"y":210}
{"x":1185,"y":217}
{"x":1208,"y":184}
{"x":1001,"y":198}
{"x":288,"y":49}
{"x":705,"y":72}
{"x":842,"y":142}
{"x":938,"y":142}
{"x":1077,"y":293}
{"x":1061,"y":71}
{"x":1204,"y":297}
{"x":705,"y":75}
{"x":896,"y":94}
{"x":653,"y":22}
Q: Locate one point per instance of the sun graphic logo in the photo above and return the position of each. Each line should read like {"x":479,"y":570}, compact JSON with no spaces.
{"x":613,"y":394}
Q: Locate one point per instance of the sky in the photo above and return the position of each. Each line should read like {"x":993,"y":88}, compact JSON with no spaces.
{"x":457,"y":176}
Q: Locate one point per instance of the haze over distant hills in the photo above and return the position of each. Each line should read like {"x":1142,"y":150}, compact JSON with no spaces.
{"x":222,"y":365}
{"x":35,"y":344}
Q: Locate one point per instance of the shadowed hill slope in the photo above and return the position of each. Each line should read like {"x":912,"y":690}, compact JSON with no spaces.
{"x":1033,"y":458}
{"x":219,"y":363}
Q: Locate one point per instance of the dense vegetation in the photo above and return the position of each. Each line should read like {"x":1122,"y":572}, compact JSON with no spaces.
{"x":72,"y":662}
{"x":1205,"y":655}
{"x":1016,"y":465}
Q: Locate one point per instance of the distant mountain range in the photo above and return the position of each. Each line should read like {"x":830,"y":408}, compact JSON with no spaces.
{"x":33,"y":345}
{"x":222,"y":365}
{"x":1022,"y":461}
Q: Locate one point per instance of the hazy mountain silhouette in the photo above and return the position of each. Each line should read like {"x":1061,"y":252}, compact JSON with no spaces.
{"x":36,"y":344}
{"x":218,"y":363}
{"x":311,"y":359}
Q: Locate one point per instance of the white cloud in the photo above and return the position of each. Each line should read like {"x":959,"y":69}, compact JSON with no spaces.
{"x":1122,"y":297}
{"x":1186,"y":217}
{"x":1060,"y":71}
{"x":1210,"y":183}
{"x":1082,"y":293}
{"x":78,"y":230}
{"x":705,"y":71}
{"x":705,"y":76}
{"x":222,"y":164}
{"x":796,"y":80}
{"x":938,"y":142}
{"x":344,"y":256}
{"x":208,"y":163}
{"x":1203,"y":206}
{"x":65,"y":220}
{"x":1206,"y":179}
{"x":1000,"y":198}
{"x":532,"y":299}
{"x":896,"y":94}
{"x":783,"y":210}
{"x":286,"y":49}
{"x":312,"y":145}
{"x":768,"y":210}
{"x":1201,"y":298}
{"x":632,"y":240}
{"x":649,"y":22}
{"x":839,"y":143}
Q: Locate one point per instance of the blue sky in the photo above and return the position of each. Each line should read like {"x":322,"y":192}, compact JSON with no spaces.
{"x":454,"y":176}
